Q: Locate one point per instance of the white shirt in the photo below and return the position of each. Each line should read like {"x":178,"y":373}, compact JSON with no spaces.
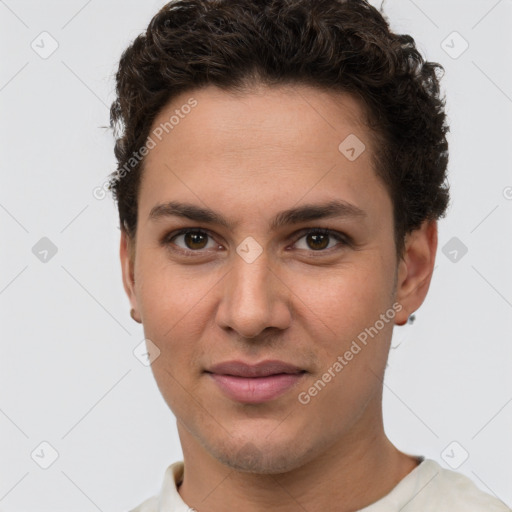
{"x":427,"y":488}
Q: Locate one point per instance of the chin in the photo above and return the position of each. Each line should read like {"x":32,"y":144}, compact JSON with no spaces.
{"x":259,"y":455}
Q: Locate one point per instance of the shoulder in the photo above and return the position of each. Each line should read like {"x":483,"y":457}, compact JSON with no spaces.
{"x":444,"y":489}
{"x":150,"y":505}
{"x":169,"y":498}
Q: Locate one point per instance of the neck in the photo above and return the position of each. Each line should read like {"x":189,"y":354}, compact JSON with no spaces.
{"x":352,"y":473}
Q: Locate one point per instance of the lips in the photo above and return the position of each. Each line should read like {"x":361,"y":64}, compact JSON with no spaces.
{"x":262,"y":369}
{"x":257,"y":383}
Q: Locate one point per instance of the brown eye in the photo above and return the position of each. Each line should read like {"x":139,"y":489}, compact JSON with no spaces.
{"x":191,"y":240}
{"x":195,"y":239}
{"x":317,"y":241}
{"x":320,"y":239}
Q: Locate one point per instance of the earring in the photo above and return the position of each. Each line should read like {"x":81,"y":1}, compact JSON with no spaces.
{"x":132,"y":314}
{"x":409,"y":320}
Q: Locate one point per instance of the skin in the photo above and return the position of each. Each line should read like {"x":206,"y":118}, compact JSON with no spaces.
{"x":248,"y":157}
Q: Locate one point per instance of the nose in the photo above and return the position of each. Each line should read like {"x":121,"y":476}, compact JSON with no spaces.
{"x":254,"y":298}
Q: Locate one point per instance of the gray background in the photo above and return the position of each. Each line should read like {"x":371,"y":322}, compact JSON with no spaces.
{"x":68,"y":375}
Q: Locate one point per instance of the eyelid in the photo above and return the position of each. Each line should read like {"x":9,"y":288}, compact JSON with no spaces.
{"x":166,"y":240}
{"x":342,"y":238}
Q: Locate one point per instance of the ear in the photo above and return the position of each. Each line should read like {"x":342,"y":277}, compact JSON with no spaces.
{"x":127,"y":256}
{"x":415,"y":269}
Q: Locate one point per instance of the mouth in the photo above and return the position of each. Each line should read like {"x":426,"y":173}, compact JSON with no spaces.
{"x":255,"y":383}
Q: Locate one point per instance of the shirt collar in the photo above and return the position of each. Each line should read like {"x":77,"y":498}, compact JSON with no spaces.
{"x":170,"y":499}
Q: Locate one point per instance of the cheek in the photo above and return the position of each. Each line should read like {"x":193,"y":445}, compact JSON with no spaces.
{"x":349,"y":302}
{"x":170,"y":305}
{"x":346,"y":300}
{"x":170,"y":294}
{"x":173,"y":307}
{"x":352,"y":343}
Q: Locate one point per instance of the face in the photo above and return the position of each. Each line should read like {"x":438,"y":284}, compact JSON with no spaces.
{"x":264,"y":270}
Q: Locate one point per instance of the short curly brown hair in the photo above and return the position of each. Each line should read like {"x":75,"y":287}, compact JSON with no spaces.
{"x":337,"y":45}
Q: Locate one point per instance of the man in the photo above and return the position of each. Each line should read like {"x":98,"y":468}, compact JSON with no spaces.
{"x":281,"y":171}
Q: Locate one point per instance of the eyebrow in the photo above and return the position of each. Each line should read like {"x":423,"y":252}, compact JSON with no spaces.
{"x":305,"y":213}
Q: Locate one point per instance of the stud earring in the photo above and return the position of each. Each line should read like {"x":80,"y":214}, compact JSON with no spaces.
{"x":410,"y":320}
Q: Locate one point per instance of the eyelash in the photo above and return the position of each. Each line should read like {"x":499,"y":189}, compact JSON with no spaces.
{"x":343,"y":240}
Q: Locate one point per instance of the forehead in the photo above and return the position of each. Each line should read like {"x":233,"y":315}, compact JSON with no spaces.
{"x":277,"y":118}
{"x":271,"y":145}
